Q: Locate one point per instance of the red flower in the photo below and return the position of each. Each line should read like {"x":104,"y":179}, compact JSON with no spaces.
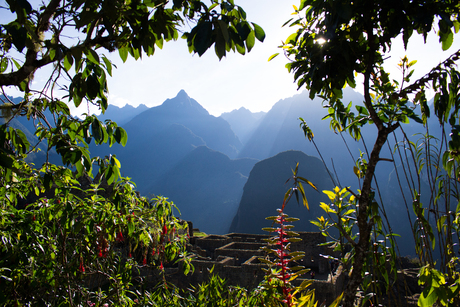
{"x":165,"y":229}
{"x":81,"y":267}
{"x":144,"y":262}
{"x":33,"y":218}
{"x":161,"y":266}
{"x":120,"y":237}
{"x":130,"y":256}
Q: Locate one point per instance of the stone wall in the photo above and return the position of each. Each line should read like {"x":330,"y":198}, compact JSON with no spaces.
{"x":234,"y":257}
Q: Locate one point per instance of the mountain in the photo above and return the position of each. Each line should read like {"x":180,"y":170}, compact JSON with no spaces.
{"x":206,"y":186}
{"x":243,"y":122}
{"x":279,"y":131}
{"x":183,"y":110}
{"x":160,"y":137}
{"x":122,"y":115}
{"x":264,"y":192}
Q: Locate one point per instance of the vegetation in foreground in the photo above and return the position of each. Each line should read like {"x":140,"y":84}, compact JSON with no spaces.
{"x":67,"y":239}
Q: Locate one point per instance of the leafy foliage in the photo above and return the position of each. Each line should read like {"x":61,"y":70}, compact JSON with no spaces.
{"x":334,"y":42}
{"x":74,"y":243}
{"x":62,"y":249}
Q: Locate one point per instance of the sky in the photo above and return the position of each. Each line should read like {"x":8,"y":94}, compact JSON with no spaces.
{"x":219,"y":86}
{"x":236,"y":81}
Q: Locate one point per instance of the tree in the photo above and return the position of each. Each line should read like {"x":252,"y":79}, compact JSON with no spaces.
{"x":336,"y":40}
{"x":41,"y":38}
{"x":70,"y":231}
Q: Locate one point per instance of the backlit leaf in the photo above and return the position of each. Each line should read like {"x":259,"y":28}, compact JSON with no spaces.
{"x":259,"y":32}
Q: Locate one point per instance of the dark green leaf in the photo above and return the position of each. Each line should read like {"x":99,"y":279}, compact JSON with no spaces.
{"x":96,"y":130}
{"x":259,"y":32}
{"x":121,"y":136}
{"x":202,"y":40}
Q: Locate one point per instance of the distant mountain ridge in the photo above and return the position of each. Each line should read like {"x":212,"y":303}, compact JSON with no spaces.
{"x":243,"y":122}
{"x":280,"y":131}
{"x":122,"y":115}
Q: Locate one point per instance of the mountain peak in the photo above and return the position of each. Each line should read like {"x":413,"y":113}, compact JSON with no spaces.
{"x":182,"y":95}
{"x":184,"y":102}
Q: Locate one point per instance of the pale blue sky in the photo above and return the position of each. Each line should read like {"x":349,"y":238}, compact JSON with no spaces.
{"x":235,"y":81}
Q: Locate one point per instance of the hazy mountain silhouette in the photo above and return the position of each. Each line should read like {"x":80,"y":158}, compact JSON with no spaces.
{"x":264,"y":192}
{"x":183,"y":110}
{"x":206,"y":186}
{"x":122,"y":115}
{"x":160,"y":137}
{"x":243,"y":122}
{"x":279,"y":131}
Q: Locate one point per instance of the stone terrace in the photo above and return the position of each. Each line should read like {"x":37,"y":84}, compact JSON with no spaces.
{"x":235,"y":257}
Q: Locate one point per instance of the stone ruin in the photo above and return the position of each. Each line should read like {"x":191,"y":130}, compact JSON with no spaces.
{"x":235,"y":257}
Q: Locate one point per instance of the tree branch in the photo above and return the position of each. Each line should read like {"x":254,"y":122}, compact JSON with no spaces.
{"x":430,"y":76}
{"x":31,"y":63}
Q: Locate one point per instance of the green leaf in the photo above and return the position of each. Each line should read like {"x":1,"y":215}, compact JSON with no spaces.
{"x":6,"y":161}
{"x":447,"y":40}
{"x":96,"y":130}
{"x":259,"y":32}
{"x":337,"y":301}
{"x":19,"y":37}
{"x":250,"y":41}
{"x":329,"y":194}
{"x":108,"y":65}
{"x":121,"y":136}
{"x":93,"y":86}
{"x":68,"y":61}
{"x":3,"y":65}
{"x":202,"y":40}
{"x":130,"y":228}
{"x":16,"y":63}
{"x":123,"y":52}
{"x":307,"y":182}
{"x":427,"y":300}
{"x":47,"y":181}
{"x":326,"y":207}
{"x":224,"y":30}
{"x":92,"y":56}
{"x":273,"y":56}
{"x":115,"y":162}
{"x":292,"y":39}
